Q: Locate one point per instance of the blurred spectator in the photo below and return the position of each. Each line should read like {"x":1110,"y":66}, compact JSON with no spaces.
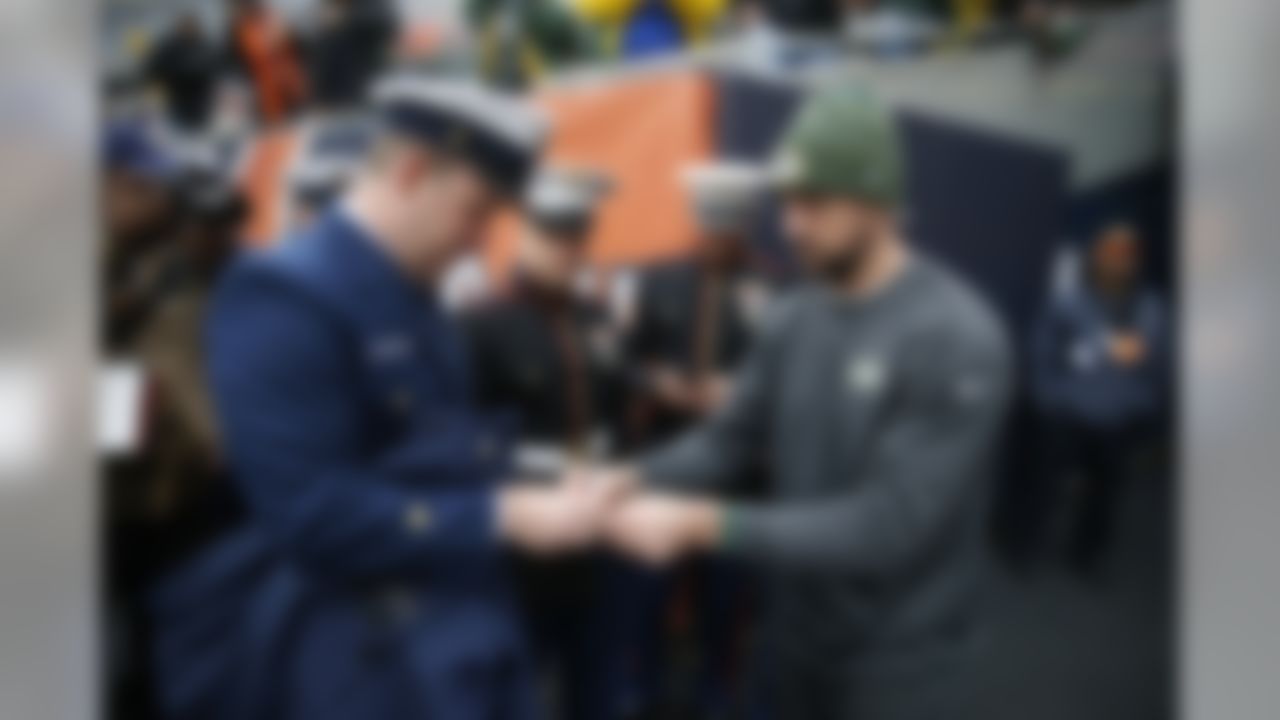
{"x":185,"y":65}
{"x":166,"y":239}
{"x":1055,"y":29}
{"x":263,"y":51}
{"x":348,"y":46}
{"x":520,"y":40}
{"x":185,"y":460}
{"x":139,"y":209}
{"x":542,"y":349}
{"x":643,"y":28}
{"x":695,"y":316}
{"x":891,"y":28}
{"x":1100,"y":367}
{"x":799,"y":15}
{"x":549,"y":355}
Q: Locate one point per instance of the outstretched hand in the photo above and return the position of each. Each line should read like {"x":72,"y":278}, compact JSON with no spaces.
{"x":565,"y":516}
{"x":657,"y":529}
{"x":605,"y":503}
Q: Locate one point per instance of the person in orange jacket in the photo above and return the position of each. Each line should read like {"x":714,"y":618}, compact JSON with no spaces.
{"x":262,"y":48}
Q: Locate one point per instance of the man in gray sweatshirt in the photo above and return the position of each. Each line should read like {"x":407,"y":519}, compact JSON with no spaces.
{"x":876,"y":398}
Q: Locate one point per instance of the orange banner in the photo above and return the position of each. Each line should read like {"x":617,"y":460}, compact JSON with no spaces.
{"x":641,"y":131}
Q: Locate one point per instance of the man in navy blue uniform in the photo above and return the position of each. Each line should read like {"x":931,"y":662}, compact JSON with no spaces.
{"x":368,"y":578}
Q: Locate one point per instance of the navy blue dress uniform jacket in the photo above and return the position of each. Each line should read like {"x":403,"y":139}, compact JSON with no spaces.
{"x":367,"y":581}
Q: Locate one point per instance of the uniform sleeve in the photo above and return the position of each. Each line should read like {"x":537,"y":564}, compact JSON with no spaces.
{"x":716,"y":454}
{"x":289,"y":413}
{"x":926,"y":471}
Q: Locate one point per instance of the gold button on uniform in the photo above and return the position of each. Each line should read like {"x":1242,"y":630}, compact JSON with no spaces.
{"x":417,"y":518}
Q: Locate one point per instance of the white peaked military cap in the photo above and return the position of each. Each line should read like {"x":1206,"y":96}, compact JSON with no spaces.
{"x":565,"y":199}
{"x":315,"y":180}
{"x":501,"y":134}
{"x":725,"y":194}
{"x":329,"y":157}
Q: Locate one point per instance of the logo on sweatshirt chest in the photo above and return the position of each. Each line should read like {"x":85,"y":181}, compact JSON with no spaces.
{"x":866,"y":375}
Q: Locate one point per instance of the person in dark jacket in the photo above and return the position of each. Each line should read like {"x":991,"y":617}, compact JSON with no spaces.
{"x":186,"y":65}
{"x":695,"y":316}
{"x":347,"y":48}
{"x":1100,"y":377}
{"x":517,"y":42}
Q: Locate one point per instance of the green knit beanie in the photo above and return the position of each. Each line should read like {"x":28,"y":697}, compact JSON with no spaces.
{"x":842,"y":141}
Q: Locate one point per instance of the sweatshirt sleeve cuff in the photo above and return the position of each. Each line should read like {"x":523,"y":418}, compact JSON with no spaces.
{"x":738,"y":530}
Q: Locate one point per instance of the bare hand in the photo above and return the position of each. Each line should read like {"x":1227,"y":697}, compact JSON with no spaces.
{"x":545,"y":520}
{"x":659,"y":529}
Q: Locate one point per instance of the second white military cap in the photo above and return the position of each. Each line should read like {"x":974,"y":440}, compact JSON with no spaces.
{"x":725,"y":194}
{"x":501,"y":134}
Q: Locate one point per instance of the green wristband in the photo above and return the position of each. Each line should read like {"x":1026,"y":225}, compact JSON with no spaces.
{"x":730,"y":528}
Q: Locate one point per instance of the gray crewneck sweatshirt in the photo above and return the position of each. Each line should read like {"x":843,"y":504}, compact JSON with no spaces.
{"x":877,"y":419}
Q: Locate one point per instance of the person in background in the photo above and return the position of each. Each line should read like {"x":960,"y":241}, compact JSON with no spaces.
{"x":186,"y":66}
{"x":878,"y":395}
{"x":549,"y":356}
{"x":140,"y":206}
{"x":636,"y":29}
{"x":188,"y":499}
{"x":892,"y":28}
{"x":520,"y":41}
{"x":694,"y":322}
{"x":348,"y":46}
{"x":140,"y":211}
{"x":694,"y":317}
{"x":806,"y":16}
{"x":1100,"y":376}
{"x":367,"y":577}
{"x":185,"y":437}
{"x":263,"y":51}
{"x":167,"y":236}
{"x":542,"y":349}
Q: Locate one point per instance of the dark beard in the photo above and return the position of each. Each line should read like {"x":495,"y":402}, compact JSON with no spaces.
{"x":841,"y":268}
